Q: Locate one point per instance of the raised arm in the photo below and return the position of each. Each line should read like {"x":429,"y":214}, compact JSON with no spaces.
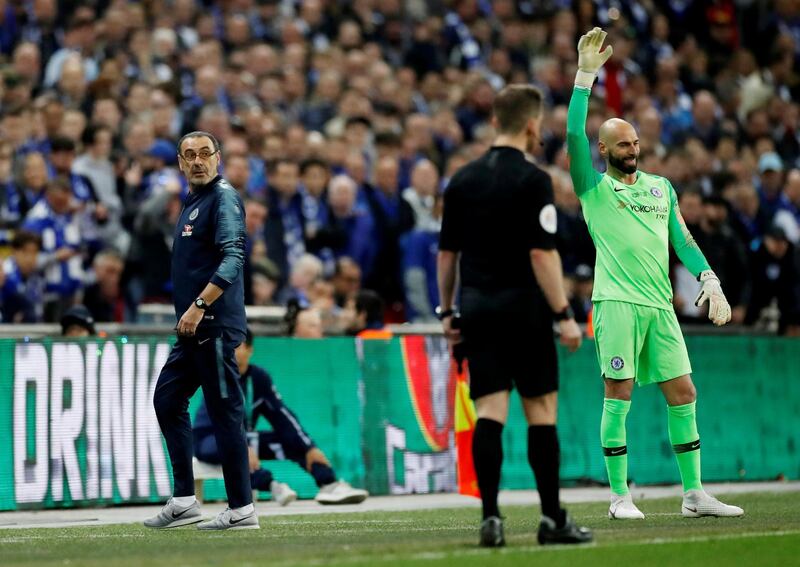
{"x":590,"y":59}
{"x":584,"y":176}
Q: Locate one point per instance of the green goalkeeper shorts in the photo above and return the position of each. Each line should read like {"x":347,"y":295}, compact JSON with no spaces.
{"x":635,"y":341}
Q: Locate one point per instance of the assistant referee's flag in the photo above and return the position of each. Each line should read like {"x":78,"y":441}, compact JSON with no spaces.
{"x":465,"y":419}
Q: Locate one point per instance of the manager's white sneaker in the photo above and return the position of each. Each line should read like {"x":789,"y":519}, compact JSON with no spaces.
{"x":697,"y":503}
{"x":340,"y":492}
{"x":282,"y":493}
{"x":231,"y":520}
{"x":172,"y":516}
{"x":623,"y":508}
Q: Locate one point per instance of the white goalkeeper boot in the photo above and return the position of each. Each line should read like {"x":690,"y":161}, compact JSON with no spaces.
{"x":697,"y":503}
{"x":623,"y":508}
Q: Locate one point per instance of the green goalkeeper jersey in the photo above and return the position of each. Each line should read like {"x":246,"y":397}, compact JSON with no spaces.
{"x":631,"y":225}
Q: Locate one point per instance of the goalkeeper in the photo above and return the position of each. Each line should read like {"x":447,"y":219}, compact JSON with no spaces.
{"x":632,"y":216}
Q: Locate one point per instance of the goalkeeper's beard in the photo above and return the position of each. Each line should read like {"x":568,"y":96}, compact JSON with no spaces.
{"x":621,"y":164}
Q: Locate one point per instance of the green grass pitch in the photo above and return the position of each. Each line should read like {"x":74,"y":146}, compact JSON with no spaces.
{"x":768,"y":535}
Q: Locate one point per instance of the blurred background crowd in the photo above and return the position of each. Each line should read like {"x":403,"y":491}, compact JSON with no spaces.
{"x":340,"y":124}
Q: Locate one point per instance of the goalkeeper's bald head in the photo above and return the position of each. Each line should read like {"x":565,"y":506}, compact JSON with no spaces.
{"x":619,"y":145}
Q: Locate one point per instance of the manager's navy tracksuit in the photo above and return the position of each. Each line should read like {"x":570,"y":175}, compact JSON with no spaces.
{"x":208,"y":247}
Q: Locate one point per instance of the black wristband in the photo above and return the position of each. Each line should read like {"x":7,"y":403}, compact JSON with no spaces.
{"x":442,"y":314}
{"x":565,"y":314}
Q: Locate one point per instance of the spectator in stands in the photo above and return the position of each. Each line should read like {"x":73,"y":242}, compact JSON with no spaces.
{"x":307,"y":324}
{"x":284,"y":229}
{"x":334,"y":319}
{"x":95,"y":164}
{"x":92,"y":212}
{"x":16,"y":128}
{"x":40,"y":27}
{"x":749,"y":216}
{"x":138,"y":133}
{"x":770,"y":169}
{"x":12,"y":201}
{"x":166,"y":120}
{"x":77,"y":322}
{"x":350,"y":231}
{"x":705,"y":123}
{"x":159,"y":165}
{"x":265,"y":281}
{"x":62,"y":245}
{"x":152,"y":244}
{"x":788,"y":215}
{"x":72,"y":85}
{"x":776,"y":283}
{"x":237,"y":172}
{"x":305,"y":272}
{"x":476,"y":107}
{"x":255,"y":248}
{"x":368,"y":322}
{"x":355,"y":166}
{"x":73,"y":124}
{"x":62,"y":158}
{"x":422,"y":194}
{"x":208,"y":90}
{"x":315,"y":175}
{"x":78,"y":39}
{"x":346,"y":280}
{"x":420,"y":247}
{"x":143,"y":174}
{"x":105,"y":298}
{"x":322,"y":104}
{"x":34,"y":179}
{"x":393,"y":218}
{"x":106,"y":112}
{"x":22,"y":291}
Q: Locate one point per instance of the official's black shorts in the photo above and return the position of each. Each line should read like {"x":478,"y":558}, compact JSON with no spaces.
{"x":508,"y":341}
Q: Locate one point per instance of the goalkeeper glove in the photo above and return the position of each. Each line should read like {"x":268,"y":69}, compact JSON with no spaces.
{"x":719,"y":311}
{"x":590,"y":58}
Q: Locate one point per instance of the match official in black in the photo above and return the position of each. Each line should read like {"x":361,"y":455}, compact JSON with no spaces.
{"x":498,"y":231}
{"x":207,"y":259}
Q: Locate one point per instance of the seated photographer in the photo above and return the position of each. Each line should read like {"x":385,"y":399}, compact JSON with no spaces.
{"x":287,"y":440}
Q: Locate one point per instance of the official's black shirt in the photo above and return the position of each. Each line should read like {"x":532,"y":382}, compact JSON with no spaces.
{"x":496,"y":209}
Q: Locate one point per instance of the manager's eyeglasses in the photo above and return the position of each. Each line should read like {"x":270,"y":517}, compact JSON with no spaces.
{"x":191,"y":155}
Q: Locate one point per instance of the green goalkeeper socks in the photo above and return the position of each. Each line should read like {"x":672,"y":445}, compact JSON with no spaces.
{"x":615,"y":449}
{"x":686,"y":444}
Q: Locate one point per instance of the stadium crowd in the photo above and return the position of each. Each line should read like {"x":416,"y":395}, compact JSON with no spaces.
{"x":341,"y":122}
